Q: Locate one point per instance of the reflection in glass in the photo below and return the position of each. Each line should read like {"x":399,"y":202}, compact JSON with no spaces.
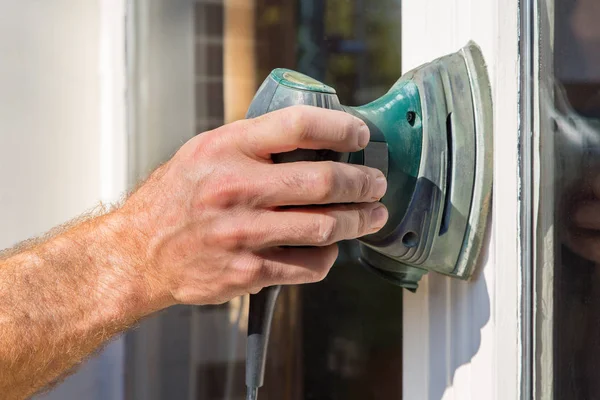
{"x":570,"y":147}
{"x":339,"y":339}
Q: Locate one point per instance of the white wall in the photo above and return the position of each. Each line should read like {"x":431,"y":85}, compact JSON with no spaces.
{"x":49,"y":114}
{"x":54,"y":108}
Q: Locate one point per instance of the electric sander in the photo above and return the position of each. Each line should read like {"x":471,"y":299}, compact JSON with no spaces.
{"x":431,"y":135}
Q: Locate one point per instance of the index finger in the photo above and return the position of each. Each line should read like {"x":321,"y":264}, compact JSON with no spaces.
{"x":304,"y":127}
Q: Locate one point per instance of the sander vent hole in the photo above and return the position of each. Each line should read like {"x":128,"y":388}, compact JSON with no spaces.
{"x":411,"y":117}
{"x":410,"y":239}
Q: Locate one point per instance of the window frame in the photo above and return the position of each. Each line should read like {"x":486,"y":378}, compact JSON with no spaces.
{"x":450,"y":351}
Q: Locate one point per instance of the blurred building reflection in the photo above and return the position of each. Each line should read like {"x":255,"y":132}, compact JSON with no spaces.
{"x":570,"y":140}
{"x":339,"y":339}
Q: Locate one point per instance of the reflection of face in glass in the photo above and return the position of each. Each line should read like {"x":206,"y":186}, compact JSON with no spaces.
{"x":582,"y":225}
{"x":578,"y":164}
{"x":577,"y":62}
{"x":577,"y":53}
{"x":572,"y":133}
{"x":585,"y":28}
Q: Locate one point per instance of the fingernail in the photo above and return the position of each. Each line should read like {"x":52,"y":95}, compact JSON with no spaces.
{"x":380,"y":187}
{"x":364,"y":135}
{"x":379,"y":217}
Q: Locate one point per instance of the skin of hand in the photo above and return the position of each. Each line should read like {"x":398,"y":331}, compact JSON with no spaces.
{"x":216,"y":221}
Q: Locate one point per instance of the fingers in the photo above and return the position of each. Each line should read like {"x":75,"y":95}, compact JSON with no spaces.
{"x":252,"y":271}
{"x":303,"y":127}
{"x":322,"y":226}
{"x":315,"y":226}
{"x":293,"y":265}
{"x":327,"y":182}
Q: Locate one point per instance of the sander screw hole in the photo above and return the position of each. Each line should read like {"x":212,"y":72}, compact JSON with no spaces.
{"x":410,"y":239}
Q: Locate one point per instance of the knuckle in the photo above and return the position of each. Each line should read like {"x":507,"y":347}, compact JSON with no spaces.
{"x":298,"y":119}
{"x":207,"y":145}
{"x":231,"y":238}
{"x":220,"y":194}
{"x":365,"y":182}
{"x":348,"y":130}
{"x":255,"y":274}
{"x":324,"y":184}
{"x":362,"y":221}
{"x":326,"y":230}
{"x":249,"y":271}
{"x":227,"y":191}
{"x":194,"y":149}
{"x":238,"y":237}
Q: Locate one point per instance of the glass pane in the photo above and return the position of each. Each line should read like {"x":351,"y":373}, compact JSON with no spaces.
{"x":341,"y":338}
{"x":568,"y":236}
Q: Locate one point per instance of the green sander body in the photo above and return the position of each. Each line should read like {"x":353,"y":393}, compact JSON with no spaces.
{"x":431,"y":135}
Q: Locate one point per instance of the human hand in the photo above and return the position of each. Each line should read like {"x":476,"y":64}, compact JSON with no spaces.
{"x":214,"y":222}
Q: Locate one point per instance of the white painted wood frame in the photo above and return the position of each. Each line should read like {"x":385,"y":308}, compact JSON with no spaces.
{"x":462,"y":340}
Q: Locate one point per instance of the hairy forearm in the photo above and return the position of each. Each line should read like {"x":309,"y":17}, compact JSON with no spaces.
{"x":211,"y":224}
{"x":61,"y":299}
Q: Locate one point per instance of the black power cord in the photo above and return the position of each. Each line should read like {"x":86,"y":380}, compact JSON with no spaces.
{"x":260,"y":317}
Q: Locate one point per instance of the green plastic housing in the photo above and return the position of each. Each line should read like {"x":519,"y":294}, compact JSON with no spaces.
{"x":431,"y":136}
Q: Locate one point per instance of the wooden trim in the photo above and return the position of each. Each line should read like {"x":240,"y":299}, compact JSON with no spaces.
{"x":239,"y":58}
